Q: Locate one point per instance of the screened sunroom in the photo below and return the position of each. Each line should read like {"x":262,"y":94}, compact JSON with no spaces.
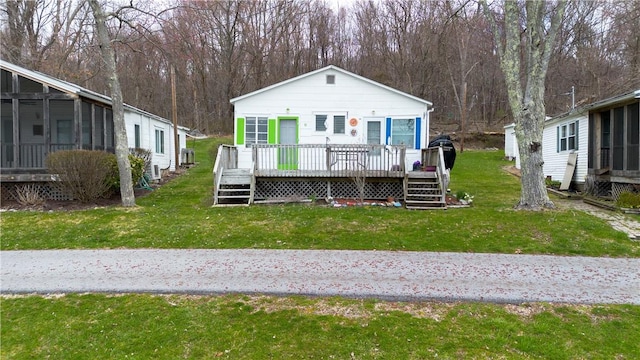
{"x":40,"y":118}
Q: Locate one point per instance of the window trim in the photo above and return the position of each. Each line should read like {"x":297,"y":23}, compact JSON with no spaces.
{"x":343,"y":125}
{"x":256,"y":130}
{"x":413,"y":132}
{"x":564,"y":136}
{"x":159,"y":141}
{"x":330,"y":122}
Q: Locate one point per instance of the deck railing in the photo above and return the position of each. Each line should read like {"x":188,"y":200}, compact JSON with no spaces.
{"x":331,"y":160}
{"x":28,"y":156}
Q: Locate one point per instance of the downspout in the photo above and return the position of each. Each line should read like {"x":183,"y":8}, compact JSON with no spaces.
{"x":428,"y":117}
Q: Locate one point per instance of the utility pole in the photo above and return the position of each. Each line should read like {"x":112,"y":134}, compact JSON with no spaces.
{"x":174,"y":115}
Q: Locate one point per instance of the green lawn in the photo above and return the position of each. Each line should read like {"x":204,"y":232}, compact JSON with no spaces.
{"x":241,"y":327}
{"x":179,"y":215}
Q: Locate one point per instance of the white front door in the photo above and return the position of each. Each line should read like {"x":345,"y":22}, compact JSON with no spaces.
{"x":374,"y":132}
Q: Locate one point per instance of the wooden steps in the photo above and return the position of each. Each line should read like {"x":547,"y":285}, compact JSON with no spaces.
{"x":422,"y":191}
{"x":235,"y":188}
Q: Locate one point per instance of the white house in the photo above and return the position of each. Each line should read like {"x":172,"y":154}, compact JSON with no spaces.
{"x":41,"y":114}
{"x":312,"y":135}
{"x":511,"y":151}
{"x":563,"y":135}
{"x":154,"y":133}
{"x":334,"y":106}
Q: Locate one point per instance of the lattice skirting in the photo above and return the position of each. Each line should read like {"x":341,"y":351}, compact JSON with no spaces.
{"x":619,"y":188}
{"x":304,"y":189}
{"x":45,"y":190}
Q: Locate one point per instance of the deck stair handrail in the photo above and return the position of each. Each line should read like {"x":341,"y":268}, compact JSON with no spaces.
{"x":434,"y":157}
{"x":227,"y":158}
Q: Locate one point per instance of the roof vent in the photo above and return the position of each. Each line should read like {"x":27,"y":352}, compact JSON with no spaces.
{"x":331,"y":79}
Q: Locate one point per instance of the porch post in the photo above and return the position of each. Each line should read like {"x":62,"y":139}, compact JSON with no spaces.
{"x":77,"y":123}
{"x":15,"y":103}
{"x":16,"y":133}
{"x":47,"y":123}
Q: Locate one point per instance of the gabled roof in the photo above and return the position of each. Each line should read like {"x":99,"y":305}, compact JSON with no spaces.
{"x":582,"y":110}
{"x":327,"y":68}
{"x":61,"y":85}
{"x":614,"y":100}
{"x":71,"y":88}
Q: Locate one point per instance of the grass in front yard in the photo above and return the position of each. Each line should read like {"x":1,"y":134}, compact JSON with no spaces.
{"x":257,"y":327}
{"x":179,"y":215}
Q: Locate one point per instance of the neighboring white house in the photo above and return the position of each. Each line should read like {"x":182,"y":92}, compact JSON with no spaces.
{"x":330,"y":106}
{"x":151,"y":132}
{"x":511,"y":151}
{"x":563,"y":135}
{"x":42,"y":114}
{"x":569,"y":133}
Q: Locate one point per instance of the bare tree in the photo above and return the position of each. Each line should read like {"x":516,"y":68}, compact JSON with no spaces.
{"x":529,"y":32}
{"x":122,"y":150}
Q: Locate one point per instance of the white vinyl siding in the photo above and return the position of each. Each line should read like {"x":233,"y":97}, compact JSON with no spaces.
{"x":555,"y":161}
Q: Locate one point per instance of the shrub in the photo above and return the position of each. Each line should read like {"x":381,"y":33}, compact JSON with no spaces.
{"x":29,"y":194}
{"x":628,"y":199}
{"x":143,"y":154}
{"x":81,"y":174}
{"x":137,"y":171}
{"x":552,"y":183}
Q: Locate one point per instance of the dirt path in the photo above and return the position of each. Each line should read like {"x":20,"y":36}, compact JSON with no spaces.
{"x":618,"y":221}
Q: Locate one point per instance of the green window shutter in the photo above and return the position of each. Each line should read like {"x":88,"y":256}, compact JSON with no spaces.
{"x":240,"y":131}
{"x":271,"y":132}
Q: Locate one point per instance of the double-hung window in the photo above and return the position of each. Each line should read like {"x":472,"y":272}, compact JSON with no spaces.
{"x":568,"y":136}
{"x":159,"y":141}
{"x":256,"y":130}
{"x":136,"y":128}
{"x":403,"y":132}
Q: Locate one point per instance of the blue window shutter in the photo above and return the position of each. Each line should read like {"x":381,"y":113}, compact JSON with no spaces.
{"x":577,"y":132}
{"x":558,"y":139}
{"x":418,"y":131}
{"x":388,"y":133}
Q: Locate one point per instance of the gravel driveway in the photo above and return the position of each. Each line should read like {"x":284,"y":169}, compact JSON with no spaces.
{"x":375,"y":274}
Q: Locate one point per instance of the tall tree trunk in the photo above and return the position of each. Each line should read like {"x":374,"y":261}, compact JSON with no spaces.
{"x":526,"y":86}
{"x":122,"y":148}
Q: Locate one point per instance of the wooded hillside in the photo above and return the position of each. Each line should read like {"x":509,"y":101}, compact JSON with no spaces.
{"x":439,"y":51}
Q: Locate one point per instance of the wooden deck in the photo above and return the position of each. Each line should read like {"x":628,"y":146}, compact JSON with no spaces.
{"x":317,"y":171}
